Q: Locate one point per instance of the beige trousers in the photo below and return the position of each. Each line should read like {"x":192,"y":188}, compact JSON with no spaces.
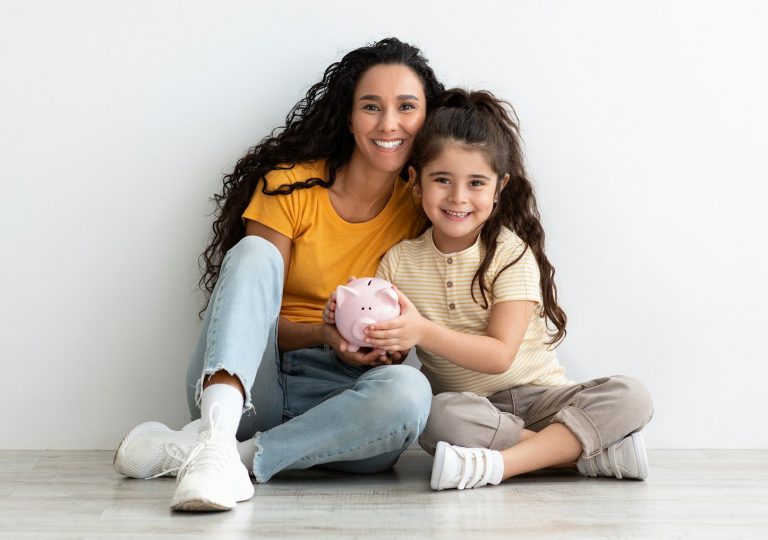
{"x":598,"y":412}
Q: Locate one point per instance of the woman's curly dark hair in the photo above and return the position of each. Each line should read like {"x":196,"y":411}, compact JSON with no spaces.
{"x":315,"y":128}
{"x":481,"y":121}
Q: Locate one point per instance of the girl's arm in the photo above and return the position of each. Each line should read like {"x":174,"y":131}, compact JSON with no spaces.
{"x":492,"y":353}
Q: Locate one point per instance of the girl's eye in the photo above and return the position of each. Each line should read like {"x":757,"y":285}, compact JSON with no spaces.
{"x":476,"y":183}
{"x":442,"y":180}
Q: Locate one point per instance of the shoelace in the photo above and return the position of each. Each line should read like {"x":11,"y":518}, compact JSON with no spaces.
{"x":215,"y":455}
{"x":475,"y":467}
{"x":177,"y":454}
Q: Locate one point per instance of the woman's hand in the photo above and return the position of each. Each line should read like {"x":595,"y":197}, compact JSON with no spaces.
{"x":361,"y":358}
{"x":401,"y":333}
{"x":329,"y":312}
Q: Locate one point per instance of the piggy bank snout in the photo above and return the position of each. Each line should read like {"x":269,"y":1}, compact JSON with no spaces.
{"x":360,"y":325}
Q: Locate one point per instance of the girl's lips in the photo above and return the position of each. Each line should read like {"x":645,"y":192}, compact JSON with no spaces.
{"x":456,"y":216}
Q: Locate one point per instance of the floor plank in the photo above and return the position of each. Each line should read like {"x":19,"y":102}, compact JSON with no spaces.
{"x":689,"y":494}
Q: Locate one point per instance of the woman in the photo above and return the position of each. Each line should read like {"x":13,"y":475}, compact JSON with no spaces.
{"x":302,"y":211}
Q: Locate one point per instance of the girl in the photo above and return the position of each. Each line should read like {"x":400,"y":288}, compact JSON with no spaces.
{"x":318,"y":201}
{"x":477,"y":292}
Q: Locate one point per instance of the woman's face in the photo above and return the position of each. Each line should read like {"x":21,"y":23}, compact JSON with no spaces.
{"x":388,"y":110}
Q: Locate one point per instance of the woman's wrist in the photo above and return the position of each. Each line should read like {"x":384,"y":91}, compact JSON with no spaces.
{"x":292,"y":336}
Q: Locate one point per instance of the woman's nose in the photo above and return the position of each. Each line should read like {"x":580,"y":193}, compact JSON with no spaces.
{"x":388,"y":121}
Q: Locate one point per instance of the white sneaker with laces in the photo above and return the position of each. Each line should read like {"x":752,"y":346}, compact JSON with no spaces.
{"x":464,"y":468}
{"x":212,"y":477}
{"x":153,"y":449}
{"x":624,"y":459}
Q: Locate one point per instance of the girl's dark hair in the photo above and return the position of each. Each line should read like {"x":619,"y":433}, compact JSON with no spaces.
{"x":481,"y":121}
{"x":315,"y":128}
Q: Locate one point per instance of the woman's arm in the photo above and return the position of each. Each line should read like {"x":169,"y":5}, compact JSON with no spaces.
{"x":492,"y":353}
{"x":292,"y":335}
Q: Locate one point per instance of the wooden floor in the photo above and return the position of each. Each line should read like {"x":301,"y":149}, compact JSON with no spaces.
{"x":689,"y":494}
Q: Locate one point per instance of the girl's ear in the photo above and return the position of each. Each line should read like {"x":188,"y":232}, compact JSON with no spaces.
{"x":502,"y":185}
{"x":504,"y":182}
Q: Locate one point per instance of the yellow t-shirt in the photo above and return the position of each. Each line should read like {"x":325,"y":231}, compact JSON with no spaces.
{"x":326,"y":249}
{"x":438,"y":284}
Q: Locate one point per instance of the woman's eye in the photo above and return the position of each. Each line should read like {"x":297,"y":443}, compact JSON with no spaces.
{"x":370,"y":107}
{"x":407,"y":106}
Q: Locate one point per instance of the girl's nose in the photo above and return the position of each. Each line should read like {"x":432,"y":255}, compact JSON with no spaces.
{"x":457,"y":195}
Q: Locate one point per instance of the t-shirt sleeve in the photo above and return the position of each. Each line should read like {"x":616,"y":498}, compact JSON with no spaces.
{"x":521,"y":280}
{"x":278,"y":212}
{"x":388,"y":264}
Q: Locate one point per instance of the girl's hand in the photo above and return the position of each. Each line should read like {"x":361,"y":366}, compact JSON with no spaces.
{"x":361,"y":358}
{"x":401,"y":333}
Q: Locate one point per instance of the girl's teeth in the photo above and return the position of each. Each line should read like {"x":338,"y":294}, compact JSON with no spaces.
{"x":456,"y":214}
{"x":388,"y":144}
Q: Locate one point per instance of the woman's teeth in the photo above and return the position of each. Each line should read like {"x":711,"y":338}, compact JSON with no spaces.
{"x":388,"y":144}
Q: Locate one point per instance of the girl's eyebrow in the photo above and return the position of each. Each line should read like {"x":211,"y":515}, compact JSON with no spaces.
{"x":447,"y":173}
{"x":401,"y":97}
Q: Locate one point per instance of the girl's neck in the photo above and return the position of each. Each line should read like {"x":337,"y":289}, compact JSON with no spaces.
{"x":446,"y":244}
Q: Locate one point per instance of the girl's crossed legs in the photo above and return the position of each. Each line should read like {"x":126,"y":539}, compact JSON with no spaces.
{"x":534,"y":427}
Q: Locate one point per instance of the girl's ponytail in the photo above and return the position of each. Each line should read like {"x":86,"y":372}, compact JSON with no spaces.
{"x":483,"y":122}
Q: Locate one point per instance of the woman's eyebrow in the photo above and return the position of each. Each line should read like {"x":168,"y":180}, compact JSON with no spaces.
{"x":401,"y":97}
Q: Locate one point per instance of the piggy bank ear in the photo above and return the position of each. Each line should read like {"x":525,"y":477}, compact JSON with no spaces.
{"x":344,"y":293}
{"x":388,"y":296}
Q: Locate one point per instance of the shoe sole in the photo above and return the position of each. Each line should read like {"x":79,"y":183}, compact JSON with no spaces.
{"x":203,"y":504}
{"x":642,"y":458}
{"x":200,"y":505}
{"x":437,"y":466}
{"x":118,"y":462}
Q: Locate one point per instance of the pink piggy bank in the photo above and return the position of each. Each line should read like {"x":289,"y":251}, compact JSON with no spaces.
{"x":363,"y":302}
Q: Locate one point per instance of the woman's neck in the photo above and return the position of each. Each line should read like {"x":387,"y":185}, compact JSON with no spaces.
{"x":360,"y":192}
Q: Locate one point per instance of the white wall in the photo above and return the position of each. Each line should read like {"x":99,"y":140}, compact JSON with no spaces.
{"x":643,"y":121}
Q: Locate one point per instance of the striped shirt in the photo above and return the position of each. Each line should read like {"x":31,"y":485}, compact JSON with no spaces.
{"x":439,"y":286}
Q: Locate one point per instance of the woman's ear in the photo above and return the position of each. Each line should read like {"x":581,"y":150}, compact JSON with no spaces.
{"x":414,"y":179}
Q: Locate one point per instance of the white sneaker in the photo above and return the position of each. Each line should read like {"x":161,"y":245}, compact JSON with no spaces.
{"x":212,"y":476}
{"x":624,"y":459}
{"x":153,"y":449}
{"x":464,"y":468}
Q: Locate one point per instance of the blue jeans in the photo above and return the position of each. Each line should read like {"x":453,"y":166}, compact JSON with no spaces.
{"x":304,"y":407}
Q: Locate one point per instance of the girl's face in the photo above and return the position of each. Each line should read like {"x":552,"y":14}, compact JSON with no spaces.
{"x":458,"y":193}
{"x":388,"y":110}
